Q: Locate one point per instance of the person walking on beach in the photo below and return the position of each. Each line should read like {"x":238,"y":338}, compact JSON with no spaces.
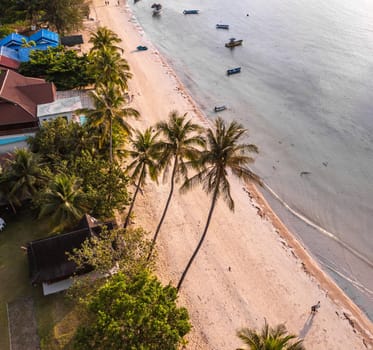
{"x":315,"y":308}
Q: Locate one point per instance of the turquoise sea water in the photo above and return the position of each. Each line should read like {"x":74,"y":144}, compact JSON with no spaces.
{"x":305,"y":92}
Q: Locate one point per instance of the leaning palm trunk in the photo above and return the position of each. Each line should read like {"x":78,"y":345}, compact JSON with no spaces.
{"x":165,"y":209}
{"x":111,"y":140}
{"x":134,"y":198}
{"x":212,"y":207}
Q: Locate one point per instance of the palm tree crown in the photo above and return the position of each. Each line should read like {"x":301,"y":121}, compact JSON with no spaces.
{"x":22,"y":177}
{"x":104,"y":37}
{"x":109,"y":112}
{"x":64,"y":201}
{"x":223,"y":153}
{"x":269,"y":339}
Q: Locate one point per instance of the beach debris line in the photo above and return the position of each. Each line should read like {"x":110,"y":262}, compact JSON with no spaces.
{"x":190,"y":12}
{"x":234,"y":71}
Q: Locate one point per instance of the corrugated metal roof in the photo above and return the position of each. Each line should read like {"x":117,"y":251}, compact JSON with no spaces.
{"x":59,"y":106}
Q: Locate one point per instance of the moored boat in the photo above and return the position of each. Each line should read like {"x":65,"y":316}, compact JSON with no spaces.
{"x":220,"y":108}
{"x":157,"y":9}
{"x":222,"y":26}
{"x":233,"y":42}
{"x":190,"y":12}
{"x":234,"y":71}
{"x":141,"y":48}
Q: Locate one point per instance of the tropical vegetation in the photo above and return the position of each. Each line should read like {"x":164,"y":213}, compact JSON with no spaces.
{"x":137,"y":313}
{"x":269,"y":338}
{"x":178,"y":148}
{"x":224,"y":152}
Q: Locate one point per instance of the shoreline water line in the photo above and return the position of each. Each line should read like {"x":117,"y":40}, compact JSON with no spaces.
{"x":317,"y":227}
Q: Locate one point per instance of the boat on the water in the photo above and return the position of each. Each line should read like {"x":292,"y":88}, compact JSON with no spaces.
{"x":157,"y":9}
{"x":222,"y":26}
{"x":141,"y":48}
{"x":190,"y":12}
{"x":234,"y":71}
{"x":233,"y":42}
{"x":220,"y":108}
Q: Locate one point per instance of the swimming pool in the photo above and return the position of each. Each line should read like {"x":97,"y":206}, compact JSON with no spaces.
{"x":13,"y":139}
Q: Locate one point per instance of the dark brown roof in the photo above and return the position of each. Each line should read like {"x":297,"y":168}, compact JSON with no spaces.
{"x":47,"y":257}
{"x":19,"y":97}
{"x":72,"y":40}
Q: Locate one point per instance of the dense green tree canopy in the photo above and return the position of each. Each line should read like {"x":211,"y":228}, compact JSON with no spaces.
{"x":133,"y":314}
{"x":65,"y":68}
{"x":117,"y":249}
{"x":63,"y":16}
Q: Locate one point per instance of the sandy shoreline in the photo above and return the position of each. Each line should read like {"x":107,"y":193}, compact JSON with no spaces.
{"x":250,"y":267}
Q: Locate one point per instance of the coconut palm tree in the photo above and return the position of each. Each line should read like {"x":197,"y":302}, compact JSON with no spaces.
{"x":63,"y":201}
{"x":22,"y":177}
{"x":180,"y":146}
{"x":223,"y":153}
{"x":144,"y":156}
{"x":269,"y":339}
{"x":109,"y":112}
{"x":104,"y":37}
{"x":110,"y":68}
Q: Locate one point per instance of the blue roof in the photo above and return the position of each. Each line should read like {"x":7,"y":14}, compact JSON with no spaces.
{"x":45,"y":36}
{"x":13,"y":40}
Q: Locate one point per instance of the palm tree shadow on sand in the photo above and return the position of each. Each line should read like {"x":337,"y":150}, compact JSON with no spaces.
{"x":307,"y":326}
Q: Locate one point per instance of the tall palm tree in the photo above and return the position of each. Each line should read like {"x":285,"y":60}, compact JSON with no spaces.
{"x":144,"y":156}
{"x":110,"y":67}
{"x":180,"y":146}
{"x":104,"y":37}
{"x":223,"y":152}
{"x":109,"y":111}
{"x":64,"y":201}
{"x":269,"y":339}
{"x":22,"y":177}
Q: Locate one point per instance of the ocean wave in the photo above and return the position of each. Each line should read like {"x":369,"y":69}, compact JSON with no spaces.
{"x":320,"y":229}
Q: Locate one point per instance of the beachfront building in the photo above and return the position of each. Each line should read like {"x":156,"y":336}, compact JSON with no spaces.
{"x":49,"y":264}
{"x":65,"y":107}
{"x":19,"y":98}
{"x":14,"y":48}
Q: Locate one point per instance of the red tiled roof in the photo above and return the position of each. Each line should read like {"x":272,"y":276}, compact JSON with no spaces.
{"x":8,"y":63}
{"x":19,"y":97}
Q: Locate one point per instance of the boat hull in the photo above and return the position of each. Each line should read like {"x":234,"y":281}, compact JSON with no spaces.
{"x":234,"y":71}
{"x":234,"y":43}
{"x":190,"y":12}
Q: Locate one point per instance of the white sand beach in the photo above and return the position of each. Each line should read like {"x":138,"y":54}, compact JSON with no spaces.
{"x":250,"y":267}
